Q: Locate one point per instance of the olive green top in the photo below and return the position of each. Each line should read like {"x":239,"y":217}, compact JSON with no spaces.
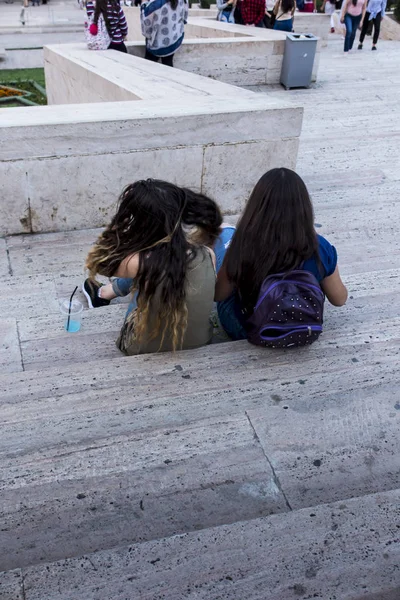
{"x":200,"y":289}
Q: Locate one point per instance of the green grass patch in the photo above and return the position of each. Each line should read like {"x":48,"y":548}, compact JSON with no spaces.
{"x":24,"y":79}
{"x":15,"y":75}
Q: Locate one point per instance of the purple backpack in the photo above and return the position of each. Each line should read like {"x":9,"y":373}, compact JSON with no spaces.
{"x":289,"y":311}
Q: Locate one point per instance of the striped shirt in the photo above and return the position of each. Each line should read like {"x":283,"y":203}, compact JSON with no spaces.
{"x":116,"y":21}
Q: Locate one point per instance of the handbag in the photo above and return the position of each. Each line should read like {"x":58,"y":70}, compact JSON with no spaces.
{"x":96,"y":35}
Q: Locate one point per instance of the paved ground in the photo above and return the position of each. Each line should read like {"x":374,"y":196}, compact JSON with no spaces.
{"x":227,"y":472}
{"x":59,"y":13}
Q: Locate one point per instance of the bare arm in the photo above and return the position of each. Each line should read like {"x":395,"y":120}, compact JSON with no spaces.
{"x":334,"y":288}
{"x":344,"y":10}
{"x":363,"y":13}
{"x":129,"y":267}
{"x":223,"y":287}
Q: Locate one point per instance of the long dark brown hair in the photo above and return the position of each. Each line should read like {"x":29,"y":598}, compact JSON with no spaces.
{"x":275,"y":233}
{"x":151,"y":220}
{"x":101,"y":9}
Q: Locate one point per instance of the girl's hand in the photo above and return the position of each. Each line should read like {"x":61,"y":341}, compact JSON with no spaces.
{"x":342,"y":19}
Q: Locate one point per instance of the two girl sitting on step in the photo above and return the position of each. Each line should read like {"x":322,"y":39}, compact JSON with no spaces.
{"x":168,"y":246}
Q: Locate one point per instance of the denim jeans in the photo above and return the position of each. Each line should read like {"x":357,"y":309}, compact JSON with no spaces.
{"x":352,"y":24}
{"x":286,"y":25}
{"x":122,"y":287}
{"x":229,"y":310}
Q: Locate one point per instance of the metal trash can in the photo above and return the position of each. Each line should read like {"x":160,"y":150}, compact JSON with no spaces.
{"x":298,"y":60}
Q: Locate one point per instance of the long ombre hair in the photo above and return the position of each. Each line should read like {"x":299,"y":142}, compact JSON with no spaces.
{"x":151,"y":221}
{"x":275,"y":233}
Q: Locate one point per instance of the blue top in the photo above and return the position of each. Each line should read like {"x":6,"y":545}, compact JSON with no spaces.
{"x":376,"y":6}
{"x":328,"y":256}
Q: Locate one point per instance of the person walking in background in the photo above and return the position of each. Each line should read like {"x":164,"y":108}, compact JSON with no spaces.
{"x":269,"y":18}
{"x":253,"y":12}
{"x":329,"y":8}
{"x":163,"y":25}
{"x":353,"y":11}
{"x":307,"y":6}
{"x":226,"y":11}
{"x":374,"y":14}
{"x":114,"y":18}
{"x":284,"y":11}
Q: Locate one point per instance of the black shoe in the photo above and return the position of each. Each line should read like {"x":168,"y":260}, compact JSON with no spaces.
{"x":91,"y":290}
{"x":374,"y":48}
{"x":359,"y":47}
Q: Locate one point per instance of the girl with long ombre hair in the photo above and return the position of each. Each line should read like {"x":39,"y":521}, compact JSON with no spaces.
{"x":275,"y":235}
{"x":158,"y":246}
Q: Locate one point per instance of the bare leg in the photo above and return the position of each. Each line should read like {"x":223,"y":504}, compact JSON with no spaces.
{"x":106,"y":292}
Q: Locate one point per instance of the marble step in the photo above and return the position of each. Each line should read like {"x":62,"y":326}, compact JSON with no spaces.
{"x":346,"y":550}
{"x":37,"y":338}
{"x":63,"y":254}
{"x":43,"y":341}
{"x":145,"y":447}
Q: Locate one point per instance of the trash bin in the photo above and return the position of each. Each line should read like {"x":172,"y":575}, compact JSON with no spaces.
{"x":298,"y":60}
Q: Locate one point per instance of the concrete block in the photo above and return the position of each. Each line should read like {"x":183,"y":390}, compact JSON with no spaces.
{"x":15,"y":216}
{"x":89,"y":198}
{"x":126,"y":126}
{"x":223,"y":60}
{"x":233,"y":193}
{"x":76,"y":75}
{"x":81,"y":191}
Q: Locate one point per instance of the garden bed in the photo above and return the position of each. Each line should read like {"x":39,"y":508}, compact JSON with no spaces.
{"x":22,"y":88}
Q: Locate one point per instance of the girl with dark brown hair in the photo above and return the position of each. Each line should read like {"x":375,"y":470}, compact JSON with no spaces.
{"x":275,"y":234}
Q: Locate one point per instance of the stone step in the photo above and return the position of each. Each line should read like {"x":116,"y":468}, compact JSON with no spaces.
{"x":59,"y":253}
{"x":63,"y":256}
{"x":238,"y":361}
{"x":43,"y":341}
{"x":149,"y":446}
{"x":132,"y":487}
{"x":345,"y":550}
{"x":38,"y":339}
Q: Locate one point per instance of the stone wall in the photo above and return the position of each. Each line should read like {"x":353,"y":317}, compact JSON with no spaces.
{"x":62,"y":167}
{"x":390,"y":29}
{"x":118,"y":118}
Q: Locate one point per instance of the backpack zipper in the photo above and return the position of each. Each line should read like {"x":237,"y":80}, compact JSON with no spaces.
{"x":310,"y":329}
